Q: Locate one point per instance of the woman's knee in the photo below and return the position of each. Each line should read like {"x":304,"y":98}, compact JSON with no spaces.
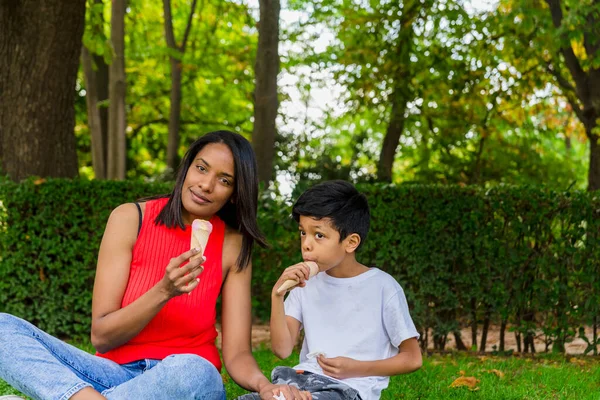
{"x":10,"y":323}
{"x":195,"y":373}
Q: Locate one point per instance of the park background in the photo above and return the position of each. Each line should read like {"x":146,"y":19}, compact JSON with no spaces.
{"x":472,"y":126}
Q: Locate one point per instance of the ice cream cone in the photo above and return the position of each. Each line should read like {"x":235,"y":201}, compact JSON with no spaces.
{"x":201,"y":230}
{"x":291,"y":283}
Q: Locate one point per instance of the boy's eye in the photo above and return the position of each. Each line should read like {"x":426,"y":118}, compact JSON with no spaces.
{"x":302,"y":233}
{"x":319,"y":235}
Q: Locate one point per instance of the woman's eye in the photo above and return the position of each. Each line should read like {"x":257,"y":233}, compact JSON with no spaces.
{"x":226,"y":181}
{"x":201,"y":168}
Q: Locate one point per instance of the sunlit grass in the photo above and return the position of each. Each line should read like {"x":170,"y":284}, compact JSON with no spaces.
{"x":541,"y":377}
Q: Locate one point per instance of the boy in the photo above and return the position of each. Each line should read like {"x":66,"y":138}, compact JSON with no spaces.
{"x":358,"y":331}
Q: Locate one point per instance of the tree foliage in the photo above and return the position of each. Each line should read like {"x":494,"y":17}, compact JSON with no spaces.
{"x":217,"y":81}
{"x":422,"y":92}
{"x":479,"y":112}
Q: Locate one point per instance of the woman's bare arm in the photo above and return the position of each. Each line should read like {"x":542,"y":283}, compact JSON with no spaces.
{"x":236,"y":321}
{"x":113,"y":326}
{"x":237,"y":330}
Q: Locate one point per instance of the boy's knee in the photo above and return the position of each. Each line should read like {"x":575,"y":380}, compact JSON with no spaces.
{"x":249,"y":396}
{"x":283,"y":375}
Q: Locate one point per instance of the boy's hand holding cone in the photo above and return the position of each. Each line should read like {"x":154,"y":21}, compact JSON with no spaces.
{"x":296,"y":275}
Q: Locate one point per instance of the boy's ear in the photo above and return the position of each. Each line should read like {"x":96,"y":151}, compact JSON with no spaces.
{"x":352,"y":242}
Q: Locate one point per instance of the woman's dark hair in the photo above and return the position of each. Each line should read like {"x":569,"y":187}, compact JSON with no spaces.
{"x":338,"y":200}
{"x":240,"y":214}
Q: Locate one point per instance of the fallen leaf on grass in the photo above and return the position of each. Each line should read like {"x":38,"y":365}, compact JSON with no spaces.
{"x":469,"y":381}
{"x":578,"y":361}
{"x":496,"y":372}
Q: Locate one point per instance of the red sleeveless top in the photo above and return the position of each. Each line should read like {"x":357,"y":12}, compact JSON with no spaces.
{"x":186,"y":324}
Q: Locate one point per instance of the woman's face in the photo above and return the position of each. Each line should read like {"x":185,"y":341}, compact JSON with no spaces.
{"x":209,"y":182}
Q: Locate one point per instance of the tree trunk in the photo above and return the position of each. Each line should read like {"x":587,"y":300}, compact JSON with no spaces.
{"x":115,"y":168}
{"x":517,"y":332}
{"x":584,"y":95}
{"x":595,"y":334}
{"x":594,"y":170}
{"x":176,"y":57}
{"x":439,"y":341}
{"x":529,"y":319}
{"x":102,"y":84}
{"x":391,"y":140}
{"x":1,"y":162}
{"x":424,"y":340}
{"x":460,"y":345}
{"x":473,"y":324}
{"x":174,"y":115}
{"x":96,"y":75}
{"x":94,"y":122}
{"x":40,"y":43}
{"x":502,"y":334}
{"x":484,"y":331}
{"x":529,"y":343}
{"x":266,"y":103}
{"x":401,"y":94}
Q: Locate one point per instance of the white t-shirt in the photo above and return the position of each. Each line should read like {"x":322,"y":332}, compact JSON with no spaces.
{"x":364,"y":317}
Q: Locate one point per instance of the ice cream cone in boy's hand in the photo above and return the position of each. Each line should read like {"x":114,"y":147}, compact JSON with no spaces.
{"x":291,"y":283}
{"x":201,"y":230}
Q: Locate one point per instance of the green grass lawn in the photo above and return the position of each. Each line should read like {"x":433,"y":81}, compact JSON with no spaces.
{"x":542,"y":377}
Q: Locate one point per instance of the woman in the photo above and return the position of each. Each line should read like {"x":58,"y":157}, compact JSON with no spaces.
{"x":153,"y":312}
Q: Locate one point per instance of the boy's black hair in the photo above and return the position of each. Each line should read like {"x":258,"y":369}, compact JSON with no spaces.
{"x":338,"y":200}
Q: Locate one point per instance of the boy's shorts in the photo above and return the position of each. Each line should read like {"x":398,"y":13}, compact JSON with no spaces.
{"x":320,"y":386}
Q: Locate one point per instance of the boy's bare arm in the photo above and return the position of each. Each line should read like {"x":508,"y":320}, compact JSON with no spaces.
{"x":407,"y":360}
{"x":284,"y":330}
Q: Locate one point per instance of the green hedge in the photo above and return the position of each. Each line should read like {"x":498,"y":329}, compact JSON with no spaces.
{"x":51,"y":234}
{"x":527,"y":258}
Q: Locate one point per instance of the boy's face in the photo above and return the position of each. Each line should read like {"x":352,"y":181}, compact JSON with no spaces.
{"x":320,"y":242}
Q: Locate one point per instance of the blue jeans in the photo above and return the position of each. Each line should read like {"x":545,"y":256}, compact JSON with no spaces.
{"x":43,"y":367}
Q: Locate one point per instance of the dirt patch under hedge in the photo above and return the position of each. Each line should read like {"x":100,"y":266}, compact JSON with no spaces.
{"x":261,"y":335}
